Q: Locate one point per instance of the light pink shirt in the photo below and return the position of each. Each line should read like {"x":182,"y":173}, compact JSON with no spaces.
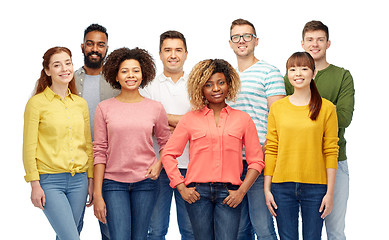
{"x":123,"y":137}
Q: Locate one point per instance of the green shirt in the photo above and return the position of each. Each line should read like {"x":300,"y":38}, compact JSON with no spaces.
{"x":336,"y":85}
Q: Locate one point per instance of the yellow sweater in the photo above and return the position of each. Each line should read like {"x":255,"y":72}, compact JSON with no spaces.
{"x":299,"y":149}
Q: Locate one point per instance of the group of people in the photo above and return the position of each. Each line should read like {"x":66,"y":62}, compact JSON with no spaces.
{"x":227,"y":142}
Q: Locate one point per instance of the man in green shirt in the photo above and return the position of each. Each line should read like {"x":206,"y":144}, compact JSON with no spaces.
{"x":335,"y":84}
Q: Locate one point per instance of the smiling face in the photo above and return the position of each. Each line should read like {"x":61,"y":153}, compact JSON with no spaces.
{"x":316,"y":44}
{"x":60,"y":69}
{"x":300,"y":77}
{"x":94,"y":49}
{"x":215,"y":89}
{"x":173,"y":55}
{"x":243,"y":48}
{"x":129,"y":75}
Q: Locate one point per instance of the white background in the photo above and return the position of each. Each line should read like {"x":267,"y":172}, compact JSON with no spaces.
{"x":359,"y":35}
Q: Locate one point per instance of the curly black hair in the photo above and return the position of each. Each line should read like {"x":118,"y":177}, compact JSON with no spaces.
{"x":95,"y":27}
{"x":113,"y":61}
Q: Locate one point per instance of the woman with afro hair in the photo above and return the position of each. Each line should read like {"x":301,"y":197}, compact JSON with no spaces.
{"x":125,"y":165}
{"x":216,"y":133}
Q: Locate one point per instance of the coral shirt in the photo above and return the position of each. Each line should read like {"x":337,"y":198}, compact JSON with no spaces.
{"x":215,"y":152}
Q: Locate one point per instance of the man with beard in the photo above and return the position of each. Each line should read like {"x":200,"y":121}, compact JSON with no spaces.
{"x":91,"y":84}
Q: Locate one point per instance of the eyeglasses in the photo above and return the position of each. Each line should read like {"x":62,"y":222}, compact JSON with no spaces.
{"x":247,"y":37}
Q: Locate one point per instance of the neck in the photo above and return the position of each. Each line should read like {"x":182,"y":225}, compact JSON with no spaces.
{"x":246,"y":62}
{"x":175,"y":76}
{"x":130,"y":96}
{"x":93,"y":71}
{"x":217,"y":107}
{"x":321,"y":64}
{"x":301,"y":97}
{"x":59,"y":89}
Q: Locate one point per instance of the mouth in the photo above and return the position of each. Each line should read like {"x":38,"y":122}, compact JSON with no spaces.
{"x":315,"y":50}
{"x":131,"y":82}
{"x":299,"y":80}
{"x":64,"y":75}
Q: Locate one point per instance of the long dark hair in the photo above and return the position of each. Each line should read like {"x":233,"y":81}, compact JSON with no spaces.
{"x":304,"y":59}
{"x":45,"y":80}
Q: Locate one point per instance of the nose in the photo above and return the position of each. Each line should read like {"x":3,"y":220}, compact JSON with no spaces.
{"x":215,"y":88}
{"x":94,"y":47}
{"x":298,"y":72}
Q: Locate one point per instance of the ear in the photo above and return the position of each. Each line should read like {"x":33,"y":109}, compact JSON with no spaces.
{"x":47,"y":72}
{"x":160,"y":55}
{"x":302,"y":44}
{"x":328,"y":44}
{"x":256,"y":41}
{"x":231,"y":43}
{"x":82,"y":47}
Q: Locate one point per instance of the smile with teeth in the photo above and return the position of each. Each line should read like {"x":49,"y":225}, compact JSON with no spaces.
{"x":299,"y":80}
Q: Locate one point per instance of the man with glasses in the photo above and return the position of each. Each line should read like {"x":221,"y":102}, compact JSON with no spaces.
{"x":261,"y":85}
{"x":91,"y":84}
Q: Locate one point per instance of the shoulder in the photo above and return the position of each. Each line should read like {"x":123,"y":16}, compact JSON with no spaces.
{"x":78,"y":73}
{"x":265,"y":66}
{"x":338,"y":71}
{"x":149,"y":103}
{"x":327,"y":104}
{"x":36,"y":100}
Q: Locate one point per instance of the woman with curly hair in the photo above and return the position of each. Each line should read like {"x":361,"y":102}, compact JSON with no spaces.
{"x":125,"y":164}
{"x":216,"y":133}
{"x":57,"y":145}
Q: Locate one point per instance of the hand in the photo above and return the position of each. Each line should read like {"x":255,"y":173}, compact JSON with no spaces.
{"x":90,"y":192}
{"x":270,"y":203}
{"x":154,"y":171}
{"x":171,"y":128}
{"x":234,"y":198}
{"x":37,"y":195}
{"x":100,"y":209}
{"x":327,"y":204}
{"x":188,"y":194}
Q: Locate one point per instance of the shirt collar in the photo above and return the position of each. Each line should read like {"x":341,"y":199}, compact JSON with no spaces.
{"x":50,"y":94}
{"x":206,"y":110}
{"x":164,"y":78}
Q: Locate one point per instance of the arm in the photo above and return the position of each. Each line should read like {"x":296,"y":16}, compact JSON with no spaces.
{"x":272,"y":99}
{"x":37,"y":195}
{"x":328,"y":199}
{"x":173,"y":121}
{"x":89,"y":151}
{"x":270,"y":203}
{"x":345,"y":103}
{"x":162,"y":133}
{"x":99,"y":207}
{"x":254,"y":158}
{"x":235,"y":197}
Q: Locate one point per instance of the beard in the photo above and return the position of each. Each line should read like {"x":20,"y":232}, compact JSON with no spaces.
{"x":94,"y":64}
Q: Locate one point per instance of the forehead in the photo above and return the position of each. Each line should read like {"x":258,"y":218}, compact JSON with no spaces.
{"x":62,"y":56}
{"x":130,"y":63}
{"x":217,"y":76}
{"x":173,"y":43}
{"x":95,"y":36}
{"x":315,"y":34}
{"x":241,"y":29}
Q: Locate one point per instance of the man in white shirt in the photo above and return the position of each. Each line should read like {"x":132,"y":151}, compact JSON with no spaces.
{"x":169,"y":88}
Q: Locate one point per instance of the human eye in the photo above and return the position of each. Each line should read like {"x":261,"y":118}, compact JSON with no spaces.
{"x":235,"y":38}
{"x":89,"y":44}
{"x":101,"y":45}
{"x":208,"y":85}
{"x":247,"y":36}
{"x":292,"y":69}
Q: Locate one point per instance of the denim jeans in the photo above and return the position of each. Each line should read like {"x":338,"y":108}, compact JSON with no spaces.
{"x":129,"y":207}
{"x":209,"y":217}
{"x":159,"y":223}
{"x":103,"y":228}
{"x":255,"y":215}
{"x":65,"y":202}
{"x":290,"y":197}
{"x":335,"y":222}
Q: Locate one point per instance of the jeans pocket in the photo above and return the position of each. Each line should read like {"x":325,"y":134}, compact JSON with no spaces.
{"x":43,"y":177}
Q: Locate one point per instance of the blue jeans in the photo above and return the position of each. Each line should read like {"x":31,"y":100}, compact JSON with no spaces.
{"x":159,"y":223}
{"x":103,"y":228}
{"x":290,"y":197}
{"x":65,"y":202}
{"x":209,"y":217}
{"x":335,"y":222}
{"x":255,"y":215}
{"x":129,"y":207}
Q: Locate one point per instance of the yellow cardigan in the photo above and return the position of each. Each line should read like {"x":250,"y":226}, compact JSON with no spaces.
{"x":56,"y":135}
{"x":299,"y":149}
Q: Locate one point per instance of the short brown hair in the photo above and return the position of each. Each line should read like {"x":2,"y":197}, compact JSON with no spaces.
{"x":202,"y":72}
{"x":241,"y":21}
{"x":315,"y":26}
{"x":113,"y":61}
{"x":172,"y":35}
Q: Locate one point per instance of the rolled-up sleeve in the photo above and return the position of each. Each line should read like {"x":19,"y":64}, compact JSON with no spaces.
{"x":253,"y":150}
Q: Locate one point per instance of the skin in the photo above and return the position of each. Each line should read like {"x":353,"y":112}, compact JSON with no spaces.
{"x":130,"y":77}
{"x":61,"y":72}
{"x":316,"y":44}
{"x":244,"y":52}
{"x":173,"y":56}
{"x":300,"y":78}
{"x":215,"y":91}
{"x":94,"y":41}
